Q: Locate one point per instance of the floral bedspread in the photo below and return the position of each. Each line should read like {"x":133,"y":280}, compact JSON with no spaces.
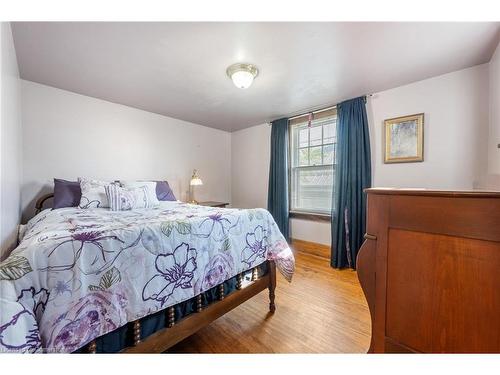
{"x":79,"y":274}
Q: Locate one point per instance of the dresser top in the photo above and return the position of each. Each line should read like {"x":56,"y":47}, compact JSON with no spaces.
{"x":435,"y":193}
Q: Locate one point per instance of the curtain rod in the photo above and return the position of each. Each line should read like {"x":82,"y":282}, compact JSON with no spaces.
{"x":315,"y":111}
{"x":312,"y":110}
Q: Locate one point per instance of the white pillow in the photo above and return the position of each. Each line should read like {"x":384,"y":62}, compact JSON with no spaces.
{"x":121,"y":199}
{"x":151,"y":189}
{"x":93,"y":193}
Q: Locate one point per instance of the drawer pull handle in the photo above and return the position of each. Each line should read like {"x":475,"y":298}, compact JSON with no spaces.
{"x":370,"y":237}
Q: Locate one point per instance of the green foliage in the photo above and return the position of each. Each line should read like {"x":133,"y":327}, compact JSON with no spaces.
{"x":111,"y":277}
{"x":181,"y":226}
{"x":14,"y":268}
{"x":255,"y":214}
{"x":226,"y":244}
{"x":166,"y":228}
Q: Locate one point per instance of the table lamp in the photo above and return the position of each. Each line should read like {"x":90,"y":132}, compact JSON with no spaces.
{"x":195,"y":181}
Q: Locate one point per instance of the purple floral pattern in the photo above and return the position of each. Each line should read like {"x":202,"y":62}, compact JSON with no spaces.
{"x":175,"y":270}
{"x":218,"y":270}
{"x":84,"y":321}
{"x":37,"y":300}
{"x":216,"y":225}
{"x":80,"y":274}
{"x":283,"y":257}
{"x":15,"y":318}
{"x":151,"y":240}
{"x":256,"y":246}
{"x":89,"y":241}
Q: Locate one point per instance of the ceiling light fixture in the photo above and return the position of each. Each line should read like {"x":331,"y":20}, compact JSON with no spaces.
{"x":242,"y":75}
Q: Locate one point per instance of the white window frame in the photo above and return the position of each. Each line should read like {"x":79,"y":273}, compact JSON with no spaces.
{"x":293,"y":165}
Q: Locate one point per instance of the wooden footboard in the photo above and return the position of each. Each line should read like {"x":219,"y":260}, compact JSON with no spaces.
{"x":177,"y":331}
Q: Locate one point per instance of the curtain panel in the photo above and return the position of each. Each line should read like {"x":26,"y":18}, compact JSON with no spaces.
{"x":277,"y":197}
{"x":352,"y":175}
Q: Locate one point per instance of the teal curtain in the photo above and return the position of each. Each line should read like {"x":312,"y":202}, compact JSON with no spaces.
{"x":277,"y":197}
{"x":352,"y":175}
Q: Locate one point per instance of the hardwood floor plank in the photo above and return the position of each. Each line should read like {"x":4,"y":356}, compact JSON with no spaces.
{"x":320,"y":250}
{"x":323,"y":310}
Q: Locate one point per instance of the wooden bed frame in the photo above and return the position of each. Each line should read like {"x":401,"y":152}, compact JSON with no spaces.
{"x":175,"y":332}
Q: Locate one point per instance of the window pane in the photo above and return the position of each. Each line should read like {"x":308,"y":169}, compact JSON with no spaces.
{"x":315,"y":134}
{"x":315,"y":156}
{"x":329,"y":133}
{"x":328,"y":154}
{"x":304,"y":137}
{"x":312,"y":153}
{"x":303,"y":156}
{"x":312,"y":189}
{"x":294,"y":153}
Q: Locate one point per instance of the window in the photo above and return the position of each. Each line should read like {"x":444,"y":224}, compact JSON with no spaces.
{"x":312,"y":158}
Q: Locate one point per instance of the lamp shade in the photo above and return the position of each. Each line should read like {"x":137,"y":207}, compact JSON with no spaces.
{"x":242,"y":75}
{"x":242,"y":79}
{"x":195,"y":179}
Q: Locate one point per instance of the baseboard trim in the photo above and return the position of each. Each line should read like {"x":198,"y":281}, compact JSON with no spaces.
{"x":313,"y":248}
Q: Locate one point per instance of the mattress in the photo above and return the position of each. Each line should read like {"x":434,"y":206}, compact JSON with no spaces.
{"x":80,"y":274}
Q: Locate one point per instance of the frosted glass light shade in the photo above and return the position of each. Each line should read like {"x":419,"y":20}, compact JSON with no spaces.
{"x":196,"y":181}
{"x":242,"y":75}
{"x":242,"y":79}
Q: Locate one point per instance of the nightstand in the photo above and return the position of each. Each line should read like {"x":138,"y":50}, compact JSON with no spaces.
{"x":213,"y":204}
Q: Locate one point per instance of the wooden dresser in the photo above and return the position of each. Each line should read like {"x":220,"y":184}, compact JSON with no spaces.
{"x":430,"y":271}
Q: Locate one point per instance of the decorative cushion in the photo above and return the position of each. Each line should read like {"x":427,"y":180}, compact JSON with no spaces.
{"x":163,"y":191}
{"x":121,"y":198}
{"x":66,"y":193}
{"x":137,"y":184}
{"x":93,"y":193}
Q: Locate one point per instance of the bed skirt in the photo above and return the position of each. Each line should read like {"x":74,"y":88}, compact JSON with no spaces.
{"x":125,"y":336}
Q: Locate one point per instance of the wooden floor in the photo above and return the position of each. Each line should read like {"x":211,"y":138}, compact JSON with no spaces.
{"x":323,"y":310}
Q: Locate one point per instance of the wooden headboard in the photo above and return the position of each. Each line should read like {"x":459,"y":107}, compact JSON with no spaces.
{"x":40,"y":202}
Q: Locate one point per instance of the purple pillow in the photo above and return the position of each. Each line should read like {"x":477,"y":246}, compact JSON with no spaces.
{"x":163,"y":191}
{"x":66,"y":193}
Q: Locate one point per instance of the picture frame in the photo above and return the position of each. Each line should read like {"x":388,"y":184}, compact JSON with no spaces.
{"x":404,"y":139}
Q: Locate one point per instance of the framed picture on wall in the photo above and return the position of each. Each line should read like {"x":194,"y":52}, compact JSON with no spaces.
{"x":404,"y":139}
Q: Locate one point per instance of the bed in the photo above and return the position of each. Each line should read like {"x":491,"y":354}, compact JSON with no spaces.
{"x":102,"y":281}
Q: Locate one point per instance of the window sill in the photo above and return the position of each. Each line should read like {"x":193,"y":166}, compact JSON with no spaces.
{"x":310,"y":216}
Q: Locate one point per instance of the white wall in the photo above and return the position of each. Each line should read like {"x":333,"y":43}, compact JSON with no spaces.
{"x":250,"y":158}
{"x":455,"y":129}
{"x":250,"y":155}
{"x":492,"y":178}
{"x":10,"y":135}
{"x":455,"y":132}
{"x":494,"y":151}
{"x":67,"y":135}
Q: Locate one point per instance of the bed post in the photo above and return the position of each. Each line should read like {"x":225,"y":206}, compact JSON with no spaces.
{"x":255,"y":274}
{"x":199,"y":303}
{"x":92,"y":347}
{"x":221,"y":292}
{"x":272,"y":285}
{"x":170,"y":316}
{"x":137,"y":332}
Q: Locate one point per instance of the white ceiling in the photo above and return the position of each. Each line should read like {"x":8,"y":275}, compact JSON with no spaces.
{"x":178,"y":69}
